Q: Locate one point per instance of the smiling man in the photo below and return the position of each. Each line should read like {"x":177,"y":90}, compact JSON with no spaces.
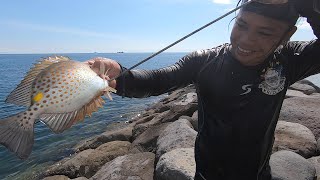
{"x":240,"y":85}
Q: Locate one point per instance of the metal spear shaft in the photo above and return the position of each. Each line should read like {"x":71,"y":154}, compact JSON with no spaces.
{"x":181,"y":39}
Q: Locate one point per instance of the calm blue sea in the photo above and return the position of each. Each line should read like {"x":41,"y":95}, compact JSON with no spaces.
{"x":50,"y":147}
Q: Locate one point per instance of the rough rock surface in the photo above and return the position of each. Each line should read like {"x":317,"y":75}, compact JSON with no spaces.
{"x":304,"y":111}
{"x":124,"y":134}
{"x":316,"y":163}
{"x":147,"y":141}
{"x":169,"y":134}
{"x":179,"y":134}
{"x":305,"y":88}
{"x":295,"y":137}
{"x":287,"y":165}
{"x":131,"y":166}
{"x":178,"y":164}
{"x":89,"y":161}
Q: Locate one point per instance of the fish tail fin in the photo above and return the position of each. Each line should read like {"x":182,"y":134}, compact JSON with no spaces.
{"x":16,"y":134}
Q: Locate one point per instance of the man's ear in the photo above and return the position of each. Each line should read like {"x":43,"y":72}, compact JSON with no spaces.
{"x":288,"y":35}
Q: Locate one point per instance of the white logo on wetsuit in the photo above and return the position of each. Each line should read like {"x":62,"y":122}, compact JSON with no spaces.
{"x":273,"y":82}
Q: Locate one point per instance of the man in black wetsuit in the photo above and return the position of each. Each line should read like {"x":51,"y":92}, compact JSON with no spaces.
{"x":240,"y":87}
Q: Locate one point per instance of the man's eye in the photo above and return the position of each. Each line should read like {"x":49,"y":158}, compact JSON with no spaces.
{"x":265,"y":34}
{"x":240,"y":25}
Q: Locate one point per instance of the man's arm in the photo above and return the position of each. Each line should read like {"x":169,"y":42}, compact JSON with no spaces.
{"x":305,"y":9}
{"x":144,"y":83}
{"x":304,"y":57}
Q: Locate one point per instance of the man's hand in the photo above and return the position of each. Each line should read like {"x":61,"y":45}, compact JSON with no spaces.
{"x":105,"y":68}
{"x":304,"y":7}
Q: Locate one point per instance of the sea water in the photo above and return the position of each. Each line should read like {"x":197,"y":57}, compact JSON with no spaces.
{"x":49,"y":147}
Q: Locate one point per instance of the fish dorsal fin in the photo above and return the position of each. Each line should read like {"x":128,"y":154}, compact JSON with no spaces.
{"x":21,"y":95}
{"x":60,"y":122}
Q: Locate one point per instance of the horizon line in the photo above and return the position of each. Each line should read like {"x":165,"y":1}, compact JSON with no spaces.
{"x":120,"y":52}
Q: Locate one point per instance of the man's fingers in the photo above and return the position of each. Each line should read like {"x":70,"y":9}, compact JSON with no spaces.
{"x":109,"y":67}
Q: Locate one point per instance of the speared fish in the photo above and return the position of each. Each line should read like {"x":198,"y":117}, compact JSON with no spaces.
{"x":59,"y":92}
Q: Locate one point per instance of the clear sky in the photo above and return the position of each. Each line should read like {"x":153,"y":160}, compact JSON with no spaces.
{"x":72,"y":26}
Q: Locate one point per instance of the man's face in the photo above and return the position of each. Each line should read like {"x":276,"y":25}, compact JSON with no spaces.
{"x":254,"y":37}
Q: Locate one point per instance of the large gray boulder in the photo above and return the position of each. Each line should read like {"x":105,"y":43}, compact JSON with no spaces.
{"x":89,"y":161}
{"x":305,"y":88}
{"x":194,"y":120}
{"x":305,"y":81}
{"x":123,"y":134}
{"x":295,"y":137}
{"x":294,"y":93}
{"x":316,"y":163}
{"x":56,"y":177}
{"x":182,"y":102}
{"x":185,"y":107}
{"x":178,"y":164}
{"x":287,"y":165}
{"x":146,"y":142}
{"x":179,"y":134}
{"x":304,"y":111}
{"x":132,"y":166}
{"x":141,"y":127}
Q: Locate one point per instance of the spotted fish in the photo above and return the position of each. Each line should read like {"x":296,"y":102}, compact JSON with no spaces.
{"x":59,"y":92}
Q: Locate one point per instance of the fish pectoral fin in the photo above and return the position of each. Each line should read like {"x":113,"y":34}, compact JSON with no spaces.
{"x":110,"y":89}
{"x":16,"y":133}
{"x":108,"y":95}
{"x":107,"y":92}
{"x":87,"y":110}
{"x":21,"y":95}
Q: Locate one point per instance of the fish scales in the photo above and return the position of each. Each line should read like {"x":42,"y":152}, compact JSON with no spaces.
{"x":66,"y":87}
{"x":57,"y":91}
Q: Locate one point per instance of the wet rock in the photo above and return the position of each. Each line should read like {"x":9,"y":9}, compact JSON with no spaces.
{"x":131,"y":166}
{"x":178,"y":164}
{"x":287,"y":165}
{"x":295,"y":137}
{"x":145,"y":119}
{"x":179,"y":134}
{"x":140,"y":128}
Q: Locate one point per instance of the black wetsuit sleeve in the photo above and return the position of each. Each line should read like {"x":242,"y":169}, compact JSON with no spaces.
{"x":314,"y":21}
{"x":144,"y":83}
{"x":303,"y":59}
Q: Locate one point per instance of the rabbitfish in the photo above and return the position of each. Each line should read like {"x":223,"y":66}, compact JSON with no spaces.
{"x":57,"y":91}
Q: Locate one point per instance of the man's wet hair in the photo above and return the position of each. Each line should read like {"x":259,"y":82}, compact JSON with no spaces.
{"x":285,"y":12}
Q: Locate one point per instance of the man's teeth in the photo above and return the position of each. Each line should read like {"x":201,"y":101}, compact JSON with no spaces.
{"x":244,"y":50}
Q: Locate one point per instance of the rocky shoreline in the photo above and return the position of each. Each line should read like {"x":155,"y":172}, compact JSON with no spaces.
{"x":158,"y":143}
